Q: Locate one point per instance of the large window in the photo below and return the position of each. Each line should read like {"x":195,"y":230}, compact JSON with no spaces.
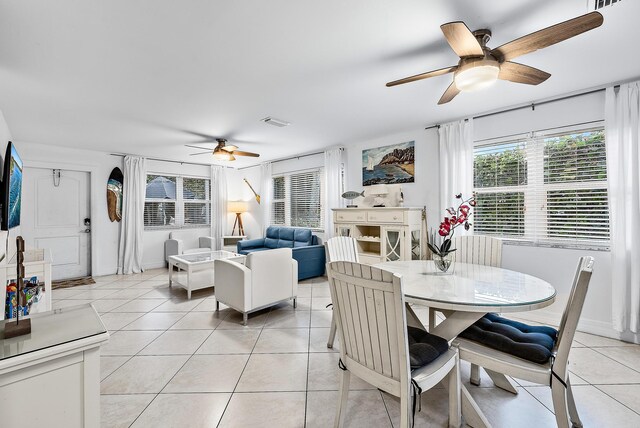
{"x":548,"y":188}
{"x":172,"y":201}
{"x":297,"y":199}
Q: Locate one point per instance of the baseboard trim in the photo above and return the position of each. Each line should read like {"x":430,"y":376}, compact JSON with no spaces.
{"x":599,"y":328}
{"x":154,"y":266}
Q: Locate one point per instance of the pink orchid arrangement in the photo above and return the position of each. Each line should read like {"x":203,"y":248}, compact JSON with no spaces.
{"x":455,"y":218}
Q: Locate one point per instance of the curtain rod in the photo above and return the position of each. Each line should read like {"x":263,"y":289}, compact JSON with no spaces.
{"x":532,"y":106}
{"x":289,"y":158}
{"x":172,"y":161}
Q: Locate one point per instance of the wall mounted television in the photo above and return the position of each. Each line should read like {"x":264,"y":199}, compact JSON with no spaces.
{"x":11,"y":188}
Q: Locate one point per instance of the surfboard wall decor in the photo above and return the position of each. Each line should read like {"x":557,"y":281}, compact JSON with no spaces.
{"x":114,"y":194}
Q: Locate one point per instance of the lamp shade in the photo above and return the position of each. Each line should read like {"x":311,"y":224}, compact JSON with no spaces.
{"x":237,"y":206}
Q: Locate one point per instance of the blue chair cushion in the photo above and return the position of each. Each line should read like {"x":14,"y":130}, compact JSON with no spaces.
{"x":271,"y":243}
{"x":424,"y":347}
{"x":285,"y":243}
{"x":532,"y":343}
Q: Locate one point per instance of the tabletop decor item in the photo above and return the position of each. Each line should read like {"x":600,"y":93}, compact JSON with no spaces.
{"x":454,"y":219}
{"x":350,"y":196}
{"x":20,"y":327}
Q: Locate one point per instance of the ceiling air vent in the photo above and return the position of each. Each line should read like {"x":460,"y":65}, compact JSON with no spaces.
{"x":275,"y":122}
{"x":599,"y":4}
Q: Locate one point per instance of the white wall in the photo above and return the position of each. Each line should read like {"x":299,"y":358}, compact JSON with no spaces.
{"x":424,"y":191}
{"x":105,"y":234}
{"x":554,"y":265}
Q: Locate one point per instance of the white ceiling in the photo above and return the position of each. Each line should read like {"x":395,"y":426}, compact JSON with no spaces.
{"x":142,"y":76}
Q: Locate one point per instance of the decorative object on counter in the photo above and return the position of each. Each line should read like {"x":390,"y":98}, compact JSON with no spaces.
{"x":379,"y":191}
{"x":401,"y":200}
{"x":350,"y":196}
{"x":238,"y":207}
{"x":18,"y":328}
{"x":455,"y":218}
{"x":389,"y":164}
{"x":254,"y":192}
{"x":114,"y":194}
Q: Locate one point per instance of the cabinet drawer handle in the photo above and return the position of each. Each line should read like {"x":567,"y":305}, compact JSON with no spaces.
{"x":395,"y":218}
{"x":341,"y":217}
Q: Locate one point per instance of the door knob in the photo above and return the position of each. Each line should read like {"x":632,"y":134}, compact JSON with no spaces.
{"x":86,"y":231}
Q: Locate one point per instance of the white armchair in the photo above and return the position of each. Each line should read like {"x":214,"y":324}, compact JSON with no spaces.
{"x":266,"y":278}
{"x":185,"y":242}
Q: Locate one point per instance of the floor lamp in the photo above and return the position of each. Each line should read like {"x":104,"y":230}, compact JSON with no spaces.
{"x":238,"y":207}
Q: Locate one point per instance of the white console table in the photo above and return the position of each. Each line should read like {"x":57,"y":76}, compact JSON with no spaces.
{"x":383,"y":234}
{"x":51,"y":377}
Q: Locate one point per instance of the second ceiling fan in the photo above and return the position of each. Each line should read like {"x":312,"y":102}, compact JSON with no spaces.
{"x":223,"y":151}
{"x":480,"y":66}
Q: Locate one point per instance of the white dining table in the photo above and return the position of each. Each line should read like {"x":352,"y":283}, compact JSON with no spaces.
{"x":464,"y":296}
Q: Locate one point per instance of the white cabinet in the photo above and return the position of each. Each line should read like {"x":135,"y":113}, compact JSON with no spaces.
{"x":383,"y":234}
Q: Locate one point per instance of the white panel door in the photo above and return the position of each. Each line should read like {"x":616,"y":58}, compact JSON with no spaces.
{"x":54,"y":217}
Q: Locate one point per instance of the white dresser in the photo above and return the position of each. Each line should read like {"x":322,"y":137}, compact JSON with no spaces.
{"x":383,"y":234}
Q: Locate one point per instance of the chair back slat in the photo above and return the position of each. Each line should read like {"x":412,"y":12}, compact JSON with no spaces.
{"x":369,"y":310}
{"x":342,"y":248}
{"x":477,"y":249}
{"x":571,"y":315}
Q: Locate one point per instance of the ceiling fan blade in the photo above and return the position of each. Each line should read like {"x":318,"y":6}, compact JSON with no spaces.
{"x":461,"y":39}
{"x":202,"y":153}
{"x":421,"y":76}
{"x":241,"y":153}
{"x":200,"y":148}
{"x":548,"y":36}
{"x":520,"y":73}
{"x":449,"y":94}
{"x":229,"y":148}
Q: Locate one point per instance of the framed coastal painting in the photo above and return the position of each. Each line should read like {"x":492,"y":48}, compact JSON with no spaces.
{"x":389,"y":164}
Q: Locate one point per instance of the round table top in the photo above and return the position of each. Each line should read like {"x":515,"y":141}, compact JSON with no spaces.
{"x":471,"y":288}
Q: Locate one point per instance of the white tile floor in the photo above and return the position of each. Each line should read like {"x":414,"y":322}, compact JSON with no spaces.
{"x":175,"y":362}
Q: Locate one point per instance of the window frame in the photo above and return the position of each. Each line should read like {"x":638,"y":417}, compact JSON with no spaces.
{"x":180,"y":203}
{"x":536,"y":229}
{"x":287,"y":198}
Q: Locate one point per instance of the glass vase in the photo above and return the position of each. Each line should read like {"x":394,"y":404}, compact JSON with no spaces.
{"x":443,"y":263}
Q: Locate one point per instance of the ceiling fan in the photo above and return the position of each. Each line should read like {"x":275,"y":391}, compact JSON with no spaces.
{"x":223,"y":151}
{"x":480,"y":66}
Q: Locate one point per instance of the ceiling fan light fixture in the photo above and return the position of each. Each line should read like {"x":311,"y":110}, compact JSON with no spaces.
{"x":222,"y":155}
{"x":477,"y":76}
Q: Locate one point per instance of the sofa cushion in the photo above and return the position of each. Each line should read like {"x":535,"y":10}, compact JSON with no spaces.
{"x":271,"y":243}
{"x":285,"y":243}
{"x":302,"y":237}
{"x":286,"y":233}
{"x":424,"y":347}
{"x":530,"y":343}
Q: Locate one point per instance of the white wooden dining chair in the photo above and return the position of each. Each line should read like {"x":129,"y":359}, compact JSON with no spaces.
{"x":477,"y":250}
{"x":369,"y":307}
{"x":554,"y":373}
{"x":340,"y":248}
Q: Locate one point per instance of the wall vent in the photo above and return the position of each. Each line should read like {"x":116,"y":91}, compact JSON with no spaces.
{"x":275,"y":122}
{"x":599,"y":4}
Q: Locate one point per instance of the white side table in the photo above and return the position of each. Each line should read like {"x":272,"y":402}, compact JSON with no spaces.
{"x":229,"y":242}
{"x":56,"y":368}
{"x":195,"y":271}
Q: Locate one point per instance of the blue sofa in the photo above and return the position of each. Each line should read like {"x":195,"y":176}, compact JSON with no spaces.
{"x":305,"y":248}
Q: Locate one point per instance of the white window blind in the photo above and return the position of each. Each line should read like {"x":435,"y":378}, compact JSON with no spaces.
{"x":174,"y":201}
{"x":544,"y":187}
{"x":297,"y":199}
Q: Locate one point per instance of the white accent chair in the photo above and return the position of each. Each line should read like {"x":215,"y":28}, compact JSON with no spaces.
{"x":370,"y":312}
{"x":265,"y":279}
{"x":184,"y":242}
{"x":340,"y":248}
{"x":555,"y":372}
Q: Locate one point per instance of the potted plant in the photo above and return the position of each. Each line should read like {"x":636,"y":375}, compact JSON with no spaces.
{"x":454,"y":219}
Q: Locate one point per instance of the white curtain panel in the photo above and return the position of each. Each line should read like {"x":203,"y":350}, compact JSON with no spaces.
{"x":266,"y":188}
{"x":218,"y":204}
{"x":622,"y":133}
{"x":132,"y":224}
{"x":333,"y":186}
{"x":456,"y":164}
